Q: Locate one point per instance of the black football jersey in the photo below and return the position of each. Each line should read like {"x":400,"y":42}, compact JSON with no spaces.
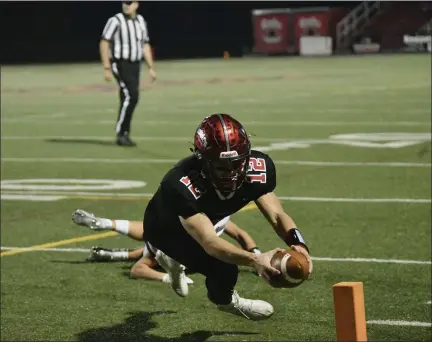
{"x":185,"y":192}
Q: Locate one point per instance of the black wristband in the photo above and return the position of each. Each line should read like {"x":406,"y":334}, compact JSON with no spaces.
{"x":294,"y":237}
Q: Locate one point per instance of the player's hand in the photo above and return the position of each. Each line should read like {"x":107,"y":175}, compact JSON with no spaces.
{"x":302,"y":250}
{"x":152,"y":74}
{"x":263,"y":266}
{"x":108,"y":75}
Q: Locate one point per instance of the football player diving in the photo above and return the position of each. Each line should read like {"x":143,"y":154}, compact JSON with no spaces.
{"x":221,"y":176}
{"x":146,"y":266}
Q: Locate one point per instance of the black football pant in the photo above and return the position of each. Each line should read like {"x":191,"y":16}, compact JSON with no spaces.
{"x":221,"y":277}
{"x":127,"y":75}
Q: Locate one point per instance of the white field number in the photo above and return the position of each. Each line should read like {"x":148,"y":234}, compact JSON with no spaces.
{"x":369,"y":140}
{"x":30,"y":189}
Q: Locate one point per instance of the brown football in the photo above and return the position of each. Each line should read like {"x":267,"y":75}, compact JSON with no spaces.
{"x":293,"y":266}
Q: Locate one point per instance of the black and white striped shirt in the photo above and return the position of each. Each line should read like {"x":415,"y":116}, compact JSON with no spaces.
{"x":127,"y":37}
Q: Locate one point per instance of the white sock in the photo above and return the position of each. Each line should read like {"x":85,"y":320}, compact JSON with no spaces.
{"x":166,"y":278}
{"x":122,"y":226}
{"x":120,"y":255}
{"x":106,"y":223}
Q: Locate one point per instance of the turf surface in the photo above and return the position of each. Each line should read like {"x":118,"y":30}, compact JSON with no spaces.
{"x":58,"y":123}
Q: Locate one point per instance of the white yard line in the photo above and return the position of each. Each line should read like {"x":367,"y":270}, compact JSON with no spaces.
{"x":269,"y":123}
{"x":400,"y":323}
{"x":358,"y":200}
{"x":80,"y":250}
{"x":186,"y":139}
{"x":283,"y":198}
{"x":276,"y":143}
{"x":172,"y":161}
{"x":374,"y":260}
{"x":384,"y":261}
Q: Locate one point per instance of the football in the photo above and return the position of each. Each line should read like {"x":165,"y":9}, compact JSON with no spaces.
{"x":294,"y":268}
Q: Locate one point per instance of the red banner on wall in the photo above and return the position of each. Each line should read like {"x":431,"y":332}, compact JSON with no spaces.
{"x":310,"y":24}
{"x":271,"y":33}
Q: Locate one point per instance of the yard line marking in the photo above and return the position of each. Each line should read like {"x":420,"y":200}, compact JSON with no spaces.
{"x":269,"y":123}
{"x":378,"y":164}
{"x":429,"y":302}
{"x":36,"y":198}
{"x":381,"y":261}
{"x":43,"y":116}
{"x":40,"y":198}
{"x":357,"y":200}
{"x":79,"y":250}
{"x":110,"y":139}
{"x":62,"y":242}
{"x":114,"y":195}
{"x":304,"y":142}
{"x":173,"y":161}
{"x":394,"y":261}
{"x":401,"y":323}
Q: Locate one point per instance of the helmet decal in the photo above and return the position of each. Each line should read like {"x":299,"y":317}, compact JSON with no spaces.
{"x":225,"y":130}
{"x":202,"y":138}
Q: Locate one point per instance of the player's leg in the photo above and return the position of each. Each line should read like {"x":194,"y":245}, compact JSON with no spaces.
{"x":135,"y":254}
{"x":221,"y":277}
{"x":114,"y":254}
{"x":133,"y":229}
{"x":145,"y":268}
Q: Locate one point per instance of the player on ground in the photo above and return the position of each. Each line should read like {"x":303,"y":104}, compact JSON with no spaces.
{"x":146,"y":266}
{"x":221,"y":176}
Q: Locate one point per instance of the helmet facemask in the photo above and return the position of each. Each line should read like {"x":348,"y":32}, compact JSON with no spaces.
{"x":228,"y":172}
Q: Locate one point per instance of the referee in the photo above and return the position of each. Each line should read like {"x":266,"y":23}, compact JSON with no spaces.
{"x":123,"y":44}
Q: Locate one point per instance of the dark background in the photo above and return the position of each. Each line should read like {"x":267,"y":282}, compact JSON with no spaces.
{"x":37,"y":32}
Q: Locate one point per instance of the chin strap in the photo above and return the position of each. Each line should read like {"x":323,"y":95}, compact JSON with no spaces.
{"x":223,"y":197}
{"x":226,"y":197}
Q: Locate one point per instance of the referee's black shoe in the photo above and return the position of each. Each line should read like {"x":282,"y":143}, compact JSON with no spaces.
{"x":124,"y":140}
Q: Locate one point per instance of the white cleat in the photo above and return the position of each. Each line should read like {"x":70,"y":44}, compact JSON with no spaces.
{"x":251,"y":309}
{"x":176,"y":272}
{"x":83,"y":218}
{"x":189,"y":281}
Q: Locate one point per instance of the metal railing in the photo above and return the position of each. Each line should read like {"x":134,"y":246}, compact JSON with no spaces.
{"x":355,"y":22}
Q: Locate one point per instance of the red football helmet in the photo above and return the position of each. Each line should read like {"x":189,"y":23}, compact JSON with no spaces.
{"x":222,"y":144}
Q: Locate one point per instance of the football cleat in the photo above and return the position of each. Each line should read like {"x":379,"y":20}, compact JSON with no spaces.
{"x":103,"y":254}
{"x":251,"y":309}
{"x":168,"y":280}
{"x":83,"y":218}
{"x":176,"y":272}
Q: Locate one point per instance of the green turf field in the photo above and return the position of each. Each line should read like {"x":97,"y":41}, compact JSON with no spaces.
{"x":359,"y":192}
